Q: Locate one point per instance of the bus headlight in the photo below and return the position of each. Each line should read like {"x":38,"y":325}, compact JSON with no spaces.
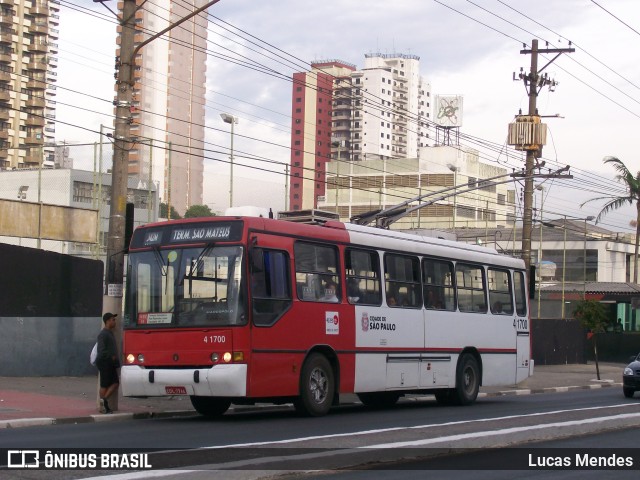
{"x":130,"y":358}
{"x":140,"y":358}
{"x":214,"y":357}
{"x":226,"y":358}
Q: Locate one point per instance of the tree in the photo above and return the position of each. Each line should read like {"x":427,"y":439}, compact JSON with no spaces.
{"x":163,"y":212}
{"x":593,"y":316}
{"x":195,"y":211}
{"x":632,"y":185}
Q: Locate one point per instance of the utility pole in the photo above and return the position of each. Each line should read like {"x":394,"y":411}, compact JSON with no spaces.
{"x":528,"y":133}
{"x":122,"y":142}
{"x":121,"y":145}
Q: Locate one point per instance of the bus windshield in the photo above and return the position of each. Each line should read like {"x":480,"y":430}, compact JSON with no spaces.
{"x":194,"y":286}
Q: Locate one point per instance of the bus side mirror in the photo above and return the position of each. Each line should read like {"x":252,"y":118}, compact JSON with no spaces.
{"x":532,"y":282}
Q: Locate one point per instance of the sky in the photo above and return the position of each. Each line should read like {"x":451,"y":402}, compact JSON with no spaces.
{"x":470,"y":48}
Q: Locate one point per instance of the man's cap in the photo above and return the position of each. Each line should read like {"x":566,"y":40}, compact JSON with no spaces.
{"x":108,"y":315}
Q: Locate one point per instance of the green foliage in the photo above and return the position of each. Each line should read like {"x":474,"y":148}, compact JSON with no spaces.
{"x":195,"y":211}
{"x":592,"y":315}
{"x":163,"y":212}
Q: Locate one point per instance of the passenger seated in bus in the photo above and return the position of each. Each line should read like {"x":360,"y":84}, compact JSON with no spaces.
{"x":353,"y":291}
{"x":330,"y":290}
{"x":433,"y":301}
{"x":496,"y":307}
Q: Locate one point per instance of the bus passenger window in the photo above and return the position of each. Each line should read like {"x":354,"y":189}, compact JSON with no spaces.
{"x":402,"y":281}
{"x":270,"y":286}
{"x":519,"y":290}
{"x":363,"y":277}
{"x":500,"y":292}
{"x":438,"y":284}
{"x":317,"y":274}
{"x":470,"y":287}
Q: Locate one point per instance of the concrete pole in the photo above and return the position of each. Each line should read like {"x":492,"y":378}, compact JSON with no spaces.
{"x":530,"y":161}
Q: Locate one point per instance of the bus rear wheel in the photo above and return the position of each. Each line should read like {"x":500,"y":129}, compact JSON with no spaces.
{"x":467,"y":381}
{"x":316,"y":387}
{"x":210,"y":406}
{"x":379,"y":399}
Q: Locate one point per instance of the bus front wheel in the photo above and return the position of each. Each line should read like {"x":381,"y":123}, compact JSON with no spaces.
{"x":210,"y":406}
{"x":316,"y":387}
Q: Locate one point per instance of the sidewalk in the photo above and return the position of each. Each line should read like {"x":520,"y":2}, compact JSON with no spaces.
{"x":27,"y":401}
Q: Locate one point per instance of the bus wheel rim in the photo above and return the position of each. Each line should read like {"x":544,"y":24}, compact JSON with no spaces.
{"x":318,"y":384}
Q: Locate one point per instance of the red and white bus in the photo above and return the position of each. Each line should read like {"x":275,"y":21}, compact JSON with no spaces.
{"x":243,"y":310}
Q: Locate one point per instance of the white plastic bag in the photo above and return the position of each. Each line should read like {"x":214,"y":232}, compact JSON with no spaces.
{"x":94,"y":355}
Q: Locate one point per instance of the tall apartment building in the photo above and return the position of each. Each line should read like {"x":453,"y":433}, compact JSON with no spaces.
{"x":378,"y":112}
{"x":168,"y":101}
{"x":28,"y":60}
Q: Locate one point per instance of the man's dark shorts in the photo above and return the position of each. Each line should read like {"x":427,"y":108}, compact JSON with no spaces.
{"x":108,"y":375}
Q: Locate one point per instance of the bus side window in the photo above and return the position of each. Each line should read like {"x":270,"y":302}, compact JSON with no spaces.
{"x":500,"y":292}
{"x":270,"y":286}
{"x":317,"y":273}
{"x":438,"y":277}
{"x":519,"y":290}
{"x":363,"y":277}
{"x":470,"y":288}
{"x":402,"y":281}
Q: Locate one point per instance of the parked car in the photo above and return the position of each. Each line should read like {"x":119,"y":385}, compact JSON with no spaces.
{"x":631,"y":377}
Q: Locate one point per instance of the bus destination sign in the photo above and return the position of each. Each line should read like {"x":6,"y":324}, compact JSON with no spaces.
{"x":195,"y":234}
{"x":188,"y":233}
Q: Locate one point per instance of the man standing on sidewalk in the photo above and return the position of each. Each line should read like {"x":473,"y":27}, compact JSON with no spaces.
{"x":107,"y":360}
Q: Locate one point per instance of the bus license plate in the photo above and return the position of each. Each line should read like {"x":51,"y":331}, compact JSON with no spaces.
{"x":175,"y":390}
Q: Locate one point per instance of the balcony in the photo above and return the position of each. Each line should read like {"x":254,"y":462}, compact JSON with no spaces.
{"x":5,"y":95}
{"x":39,"y":28}
{"x":40,"y":9}
{"x":4,"y":114}
{"x":6,"y":37}
{"x":35,"y":102}
{"x":34,"y":121}
{"x":38,"y":65}
{"x":5,"y":76}
{"x":5,"y":58}
{"x":34,"y":140}
{"x":4,"y":133}
{"x":36,"y":84}
{"x":6,"y":18}
{"x":39,"y":46}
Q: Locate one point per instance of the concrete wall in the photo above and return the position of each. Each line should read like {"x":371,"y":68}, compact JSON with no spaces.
{"x":50,"y":312}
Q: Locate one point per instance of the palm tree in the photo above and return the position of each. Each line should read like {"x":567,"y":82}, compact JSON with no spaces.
{"x":632,"y":185}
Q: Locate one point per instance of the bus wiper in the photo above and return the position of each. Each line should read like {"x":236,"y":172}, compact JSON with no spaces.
{"x":200,"y":260}
{"x":164,"y":268}
{"x":197,"y":262}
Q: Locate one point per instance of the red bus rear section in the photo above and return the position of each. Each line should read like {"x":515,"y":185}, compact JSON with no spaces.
{"x":242,"y":310}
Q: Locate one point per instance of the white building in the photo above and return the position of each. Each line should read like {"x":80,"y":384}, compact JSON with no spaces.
{"x":392,"y":101}
{"x":462,"y":191}
{"x":78,"y":189}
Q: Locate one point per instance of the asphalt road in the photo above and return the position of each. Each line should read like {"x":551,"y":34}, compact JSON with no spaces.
{"x":256,"y":443}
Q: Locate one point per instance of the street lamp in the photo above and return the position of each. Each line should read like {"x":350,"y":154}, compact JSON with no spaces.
{"x":454,"y":169}
{"x":584,"y":259}
{"x":230,"y":119}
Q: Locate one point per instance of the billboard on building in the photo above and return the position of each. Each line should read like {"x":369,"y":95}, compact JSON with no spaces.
{"x":448,"y":110}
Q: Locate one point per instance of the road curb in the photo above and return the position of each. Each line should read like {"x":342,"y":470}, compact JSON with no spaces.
{"x":102,"y":418}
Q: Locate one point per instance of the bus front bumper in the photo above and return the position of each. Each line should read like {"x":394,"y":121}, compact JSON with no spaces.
{"x":217,"y":381}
